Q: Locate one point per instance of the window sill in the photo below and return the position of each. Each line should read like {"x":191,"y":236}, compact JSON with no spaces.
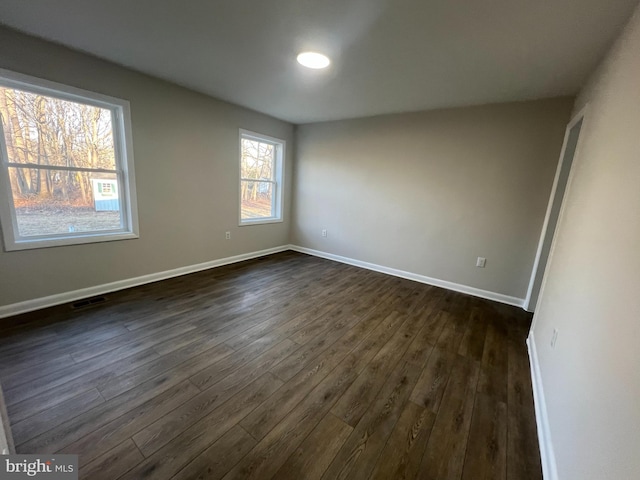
{"x":65,"y":241}
{"x":259,"y":221}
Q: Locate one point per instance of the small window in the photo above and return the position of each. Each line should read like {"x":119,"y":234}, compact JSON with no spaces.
{"x":261,"y":167}
{"x":67,"y":165}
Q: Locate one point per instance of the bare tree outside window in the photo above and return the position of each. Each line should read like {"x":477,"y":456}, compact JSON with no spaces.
{"x":43,"y":133}
{"x":65,"y":165}
{"x":259,"y":179}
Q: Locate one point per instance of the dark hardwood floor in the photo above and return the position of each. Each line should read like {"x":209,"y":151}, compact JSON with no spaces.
{"x":288,"y":367}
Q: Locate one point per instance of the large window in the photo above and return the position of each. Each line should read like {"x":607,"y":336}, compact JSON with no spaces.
{"x":67,"y":165}
{"x":261,"y":167}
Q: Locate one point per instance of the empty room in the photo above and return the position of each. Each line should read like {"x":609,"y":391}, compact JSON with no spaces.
{"x":355,"y":239}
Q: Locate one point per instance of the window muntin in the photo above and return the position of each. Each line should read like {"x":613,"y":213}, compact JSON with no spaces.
{"x":261,"y":159}
{"x":60,"y":147}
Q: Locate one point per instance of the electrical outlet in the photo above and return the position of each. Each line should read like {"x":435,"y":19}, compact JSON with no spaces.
{"x":324,"y":232}
{"x":481,"y":262}
{"x":227,"y":235}
{"x":554,"y":337}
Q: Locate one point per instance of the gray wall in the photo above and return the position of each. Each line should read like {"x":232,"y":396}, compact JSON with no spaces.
{"x":590,"y":291}
{"x":186,"y":161}
{"x":429,"y":192}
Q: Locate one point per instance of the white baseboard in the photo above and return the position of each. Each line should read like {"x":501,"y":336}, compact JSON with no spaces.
{"x":476,"y":292}
{"x":66,"y":297}
{"x":547,"y":456}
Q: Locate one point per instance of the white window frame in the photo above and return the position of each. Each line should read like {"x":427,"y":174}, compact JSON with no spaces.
{"x":125,"y":174}
{"x":277,"y":180}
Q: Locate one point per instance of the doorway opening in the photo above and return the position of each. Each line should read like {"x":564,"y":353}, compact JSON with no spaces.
{"x":554,"y":208}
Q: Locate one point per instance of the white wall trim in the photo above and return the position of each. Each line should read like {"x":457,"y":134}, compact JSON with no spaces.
{"x":476,"y":292}
{"x":72,"y":296}
{"x":66,"y":297}
{"x":540,"y":262}
{"x":547,"y":456}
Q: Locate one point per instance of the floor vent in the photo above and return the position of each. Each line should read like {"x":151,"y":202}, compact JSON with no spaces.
{"x":88,"y":302}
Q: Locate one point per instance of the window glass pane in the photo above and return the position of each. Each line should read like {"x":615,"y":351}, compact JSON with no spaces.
{"x":53,"y":202}
{"x":256,"y":161}
{"x":257,"y":199}
{"x":43,"y":130}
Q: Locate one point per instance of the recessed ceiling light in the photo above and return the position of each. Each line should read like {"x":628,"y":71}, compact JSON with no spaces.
{"x":313,"y":60}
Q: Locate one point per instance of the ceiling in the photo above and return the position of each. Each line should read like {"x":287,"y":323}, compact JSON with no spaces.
{"x":388,"y":56}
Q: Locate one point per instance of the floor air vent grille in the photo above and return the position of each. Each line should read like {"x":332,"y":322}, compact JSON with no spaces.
{"x":87,"y":302}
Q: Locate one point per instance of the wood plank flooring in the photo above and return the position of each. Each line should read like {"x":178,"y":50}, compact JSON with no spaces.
{"x":285,"y":367}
